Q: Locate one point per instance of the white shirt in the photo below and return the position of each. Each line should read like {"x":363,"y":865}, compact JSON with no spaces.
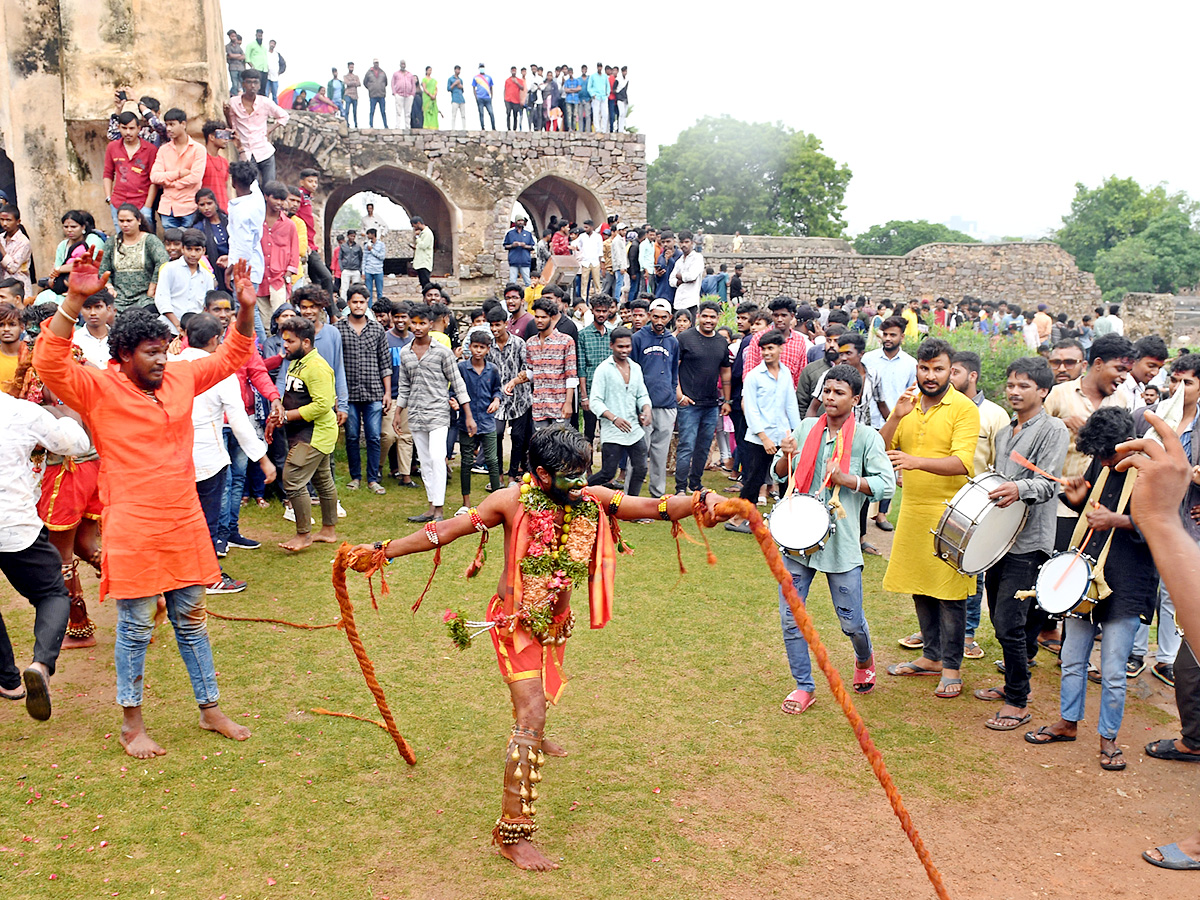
{"x":1030,"y":334}
{"x":590,"y":248}
{"x":209,"y":411}
{"x":620,"y":253}
{"x":182,"y":291}
{"x":24,"y":425}
{"x":686,"y":278}
{"x":375,"y":222}
{"x":95,"y":350}
{"x":246,"y":217}
{"x":272,"y":65}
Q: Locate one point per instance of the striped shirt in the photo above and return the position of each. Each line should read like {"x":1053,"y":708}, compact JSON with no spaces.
{"x":509,"y":361}
{"x":552,"y":369}
{"x":424,"y":386}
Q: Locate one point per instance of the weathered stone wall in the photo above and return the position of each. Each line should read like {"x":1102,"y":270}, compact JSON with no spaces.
{"x":465,"y":183}
{"x":1145,"y":314}
{"x":65,"y":60}
{"x":1027,"y":273}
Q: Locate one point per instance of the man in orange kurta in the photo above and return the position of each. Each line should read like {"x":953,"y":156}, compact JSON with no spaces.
{"x":156,"y":542}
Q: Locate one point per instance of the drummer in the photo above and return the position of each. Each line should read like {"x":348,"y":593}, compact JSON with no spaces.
{"x":1041,"y":439}
{"x":932,"y":437}
{"x":851,"y":456}
{"x":1128,"y":570}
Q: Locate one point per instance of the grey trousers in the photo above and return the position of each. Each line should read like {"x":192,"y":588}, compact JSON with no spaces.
{"x":658,"y":444}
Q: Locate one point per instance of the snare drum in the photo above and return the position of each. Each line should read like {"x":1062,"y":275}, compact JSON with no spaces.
{"x":1065,"y":585}
{"x":801,"y":524}
{"x":975,"y":532}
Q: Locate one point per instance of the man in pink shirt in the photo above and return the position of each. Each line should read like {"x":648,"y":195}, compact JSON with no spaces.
{"x":404,"y":88}
{"x":178,"y":169}
{"x":280,"y":249}
{"x":247,"y":115}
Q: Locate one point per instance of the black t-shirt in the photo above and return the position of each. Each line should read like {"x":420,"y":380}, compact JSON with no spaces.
{"x":735,"y":287}
{"x":700,"y":362}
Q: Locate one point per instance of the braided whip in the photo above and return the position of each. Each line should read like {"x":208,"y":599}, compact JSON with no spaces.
{"x":340,"y":562}
{"x":737,"y":507}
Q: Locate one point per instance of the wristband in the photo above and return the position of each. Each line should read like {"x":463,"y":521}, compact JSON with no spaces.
{"x":662,"y":510}
{"x":857,"y":483}
{"x":615,"y":503}
{"x":431,"y":534}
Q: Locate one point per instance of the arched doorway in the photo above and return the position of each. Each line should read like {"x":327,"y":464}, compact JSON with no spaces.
{"x":417,"y":196}
{"x":553,"y":195}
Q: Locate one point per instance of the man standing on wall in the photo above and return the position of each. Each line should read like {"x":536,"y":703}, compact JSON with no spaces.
{"x":247,"y":116}
{"x":376,"y":83}
{"x":353,"y":83}
{"x":458,"y":103}
{"x":483,"y":96}
{"x":404,"y":88}
{"x":235,"y":58}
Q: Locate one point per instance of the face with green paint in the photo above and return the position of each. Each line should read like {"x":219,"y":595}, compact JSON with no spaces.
{"x":563,"y":487}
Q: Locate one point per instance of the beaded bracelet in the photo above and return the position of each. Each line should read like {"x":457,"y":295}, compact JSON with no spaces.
{"x":662,"y":510}
{"x":615,"y":503}
{"x":431,"y":534}
{"x":476,"y":519}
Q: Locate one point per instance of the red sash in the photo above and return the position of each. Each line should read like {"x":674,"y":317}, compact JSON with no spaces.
{"x":806,"y":467}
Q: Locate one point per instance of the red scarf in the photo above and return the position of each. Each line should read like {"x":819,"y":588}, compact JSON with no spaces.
{"x":806,"y":467}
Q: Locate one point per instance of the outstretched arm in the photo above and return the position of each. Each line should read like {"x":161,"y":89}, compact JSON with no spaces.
{"x":678,"y":507}
{"x":491,"y":510}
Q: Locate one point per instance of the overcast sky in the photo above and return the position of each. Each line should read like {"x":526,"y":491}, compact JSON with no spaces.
{"x":990,"y":112}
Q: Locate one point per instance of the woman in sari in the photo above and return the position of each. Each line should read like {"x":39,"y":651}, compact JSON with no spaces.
{"x":429,"y":90}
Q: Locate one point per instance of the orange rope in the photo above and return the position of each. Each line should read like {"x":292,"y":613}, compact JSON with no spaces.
{"x":340,"y":562}
{"x":215,"y":615}
{"x":747,"y":510}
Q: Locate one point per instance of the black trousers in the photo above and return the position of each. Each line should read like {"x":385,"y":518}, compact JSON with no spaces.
{"x":610,"y":459}
{"x":1187,"y":695}
{"x":522,"y":431}
{"x":589,"y":425}
{"x":755,"y":463}
{"x":36,"y":574}
{"x":1014,"y":572}
{"x":423,"y":277}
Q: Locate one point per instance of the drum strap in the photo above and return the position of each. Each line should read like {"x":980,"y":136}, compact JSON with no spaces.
{"x":1102,"y":588}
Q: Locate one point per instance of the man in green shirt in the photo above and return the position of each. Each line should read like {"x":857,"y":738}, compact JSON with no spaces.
{"x":311,"y":422}
{"x":833,"y":452}
{"x":256,"y":58}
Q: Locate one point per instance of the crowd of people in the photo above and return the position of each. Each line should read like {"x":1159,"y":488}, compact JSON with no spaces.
{"x":535,"y":98}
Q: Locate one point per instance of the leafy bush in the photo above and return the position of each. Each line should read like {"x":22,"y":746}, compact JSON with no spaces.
{"x":995,"y":353}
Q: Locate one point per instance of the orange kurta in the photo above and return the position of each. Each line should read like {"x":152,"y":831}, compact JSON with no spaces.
{"x":155,"y":536}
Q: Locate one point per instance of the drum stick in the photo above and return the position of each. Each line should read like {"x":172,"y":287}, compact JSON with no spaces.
{"x":1078,"y":552}
{"x":1022,"y":461}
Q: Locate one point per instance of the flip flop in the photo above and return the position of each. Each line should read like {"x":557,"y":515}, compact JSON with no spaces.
{"x":1109,"y":762}
{"x":37,"y":694}
{"x":989,"y":694}
{"x":1045,"y":736}
{"x":908,"y":668}
{"x":17,"y":693}
{"x":1053,"y":645}
{"x":972,"y":650}
{"x":797,"y":702}
{"x":864,"y":679}
{"x":1165,"y":749}
{"x":1010,"y":723}
{"x":942,"y":691}
{"x":1172,"y":858}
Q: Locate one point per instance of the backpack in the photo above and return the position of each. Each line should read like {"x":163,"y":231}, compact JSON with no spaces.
{"x":282,"y":64}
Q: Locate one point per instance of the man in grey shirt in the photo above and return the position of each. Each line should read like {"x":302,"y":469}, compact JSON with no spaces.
{"x":350,"y":258}
{"x":427,"y":370}
{"x":1042,"y":440}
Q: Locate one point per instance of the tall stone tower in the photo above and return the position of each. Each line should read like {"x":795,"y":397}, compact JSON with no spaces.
{"x":65,"y":60}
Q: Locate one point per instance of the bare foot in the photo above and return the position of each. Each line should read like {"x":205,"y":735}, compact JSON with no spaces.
{"x":139,"y":745}
{"x":553,"y":749}
{"x":525,"y":855}
{"x":299,"y":542}
{"x":74,"y":643}
{"x":212,"y":719}
{"x":326,"y":536}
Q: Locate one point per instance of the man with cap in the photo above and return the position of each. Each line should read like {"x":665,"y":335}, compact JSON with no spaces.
{"x":483,"y":96}
{"x":519,"y":243}
{"x":657,"y":352}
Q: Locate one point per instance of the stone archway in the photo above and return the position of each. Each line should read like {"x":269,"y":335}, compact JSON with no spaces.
{"x":418,"y":196}
{"x":553,"y":195}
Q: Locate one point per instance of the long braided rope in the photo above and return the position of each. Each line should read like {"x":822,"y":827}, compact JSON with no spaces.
{"x":340,"y":563}
{"x":747,"y":510}
{"x":216,"y":615}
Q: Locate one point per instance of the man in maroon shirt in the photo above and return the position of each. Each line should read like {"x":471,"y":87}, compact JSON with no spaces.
{"x":127,"y":164}
{"x":317,"y":270}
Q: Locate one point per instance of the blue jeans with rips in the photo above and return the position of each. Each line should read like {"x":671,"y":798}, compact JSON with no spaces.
{"x":135,"y":626}
{"x":364,"y":416}
{"x":697,"y":425}
{"x":1117,"y":641}
{"x":846,"y":590}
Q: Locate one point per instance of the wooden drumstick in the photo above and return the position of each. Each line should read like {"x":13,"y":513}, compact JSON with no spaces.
{"x":1078,"y":551}
{"x":1022,"y":461}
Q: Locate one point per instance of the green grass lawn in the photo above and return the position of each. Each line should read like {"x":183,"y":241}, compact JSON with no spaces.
{"x":681,"y":765}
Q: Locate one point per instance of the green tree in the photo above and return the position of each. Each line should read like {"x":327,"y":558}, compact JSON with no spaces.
{"x":898,"y":237}
{"x":1102,"y":217}
{"x":1163,"y":258}
{"x":757,"y":178}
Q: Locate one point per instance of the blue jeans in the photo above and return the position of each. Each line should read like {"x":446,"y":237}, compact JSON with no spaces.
{"x":135,"y":626}
{"x":846,"y":590}
{"x":697,"y":425}
{"x":380,"y":102}
{"x":482,"y":105}
{"x":350,"y":106}
{"x":231,"y":502}
{"x":518,"y":273}
{"x":364,"y":415}
{"x":1078,"y":635}
{"x":273,"y":90}
{"x":177,"y":221}
{"x":374,"y":285}
{"x":235,"y":83}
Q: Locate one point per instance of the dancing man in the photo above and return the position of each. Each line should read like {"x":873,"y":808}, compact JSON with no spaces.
{"x":558,"y":536}
{"x":932,"y":440}
{"x":837,"y":455}
{"x":155,"y":538}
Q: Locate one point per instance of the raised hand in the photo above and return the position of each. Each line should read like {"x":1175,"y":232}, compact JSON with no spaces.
{"x":85,"y":278}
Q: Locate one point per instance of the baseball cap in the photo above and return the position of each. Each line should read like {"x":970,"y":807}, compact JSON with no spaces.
{"x":660,"y":304}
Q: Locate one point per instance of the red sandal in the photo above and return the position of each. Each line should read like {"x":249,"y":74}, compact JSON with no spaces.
{"x":864,"y":679}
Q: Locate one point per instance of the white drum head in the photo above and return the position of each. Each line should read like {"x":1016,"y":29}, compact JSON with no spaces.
{"x":993,"y":536}
{"x":799,"y":522}
{"x":1059,"y":599}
